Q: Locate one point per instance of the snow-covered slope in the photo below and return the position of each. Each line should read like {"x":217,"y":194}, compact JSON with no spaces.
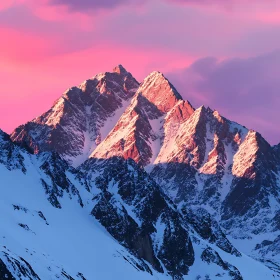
{"x":43,"y":238}
{"x":58,"y":242}
{"x":107,"y":220}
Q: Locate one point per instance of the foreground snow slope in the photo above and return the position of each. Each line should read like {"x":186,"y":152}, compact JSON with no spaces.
{"x":40,"y":239}
{"x":56,"y":241}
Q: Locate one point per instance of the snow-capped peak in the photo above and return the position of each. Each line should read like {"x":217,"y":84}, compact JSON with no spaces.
{"x":159,"y":91}
{"x":81,"y":117}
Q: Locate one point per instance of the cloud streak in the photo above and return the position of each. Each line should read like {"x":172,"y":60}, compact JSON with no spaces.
{"x":89,"y":5}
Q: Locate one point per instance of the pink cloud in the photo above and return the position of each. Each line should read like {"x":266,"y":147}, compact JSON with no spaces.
{"x":60,"y":14}
{"x":268,"y":17}
{"x":5,"y":4}
{"x":89,"y":5}
{"x":18,"y":46}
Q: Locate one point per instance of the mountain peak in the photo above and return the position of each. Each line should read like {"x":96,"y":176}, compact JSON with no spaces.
{"x":155,"y":74}
{"x":119,"y":69}
{"x":201,"y":108}
{"x":159,"y":91}
{"x":203,"y":111}
{"x":158,"y":77}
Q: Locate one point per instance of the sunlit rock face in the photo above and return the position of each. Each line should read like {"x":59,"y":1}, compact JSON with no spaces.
{"x":81,"y":118}
{"x":142,"y":129}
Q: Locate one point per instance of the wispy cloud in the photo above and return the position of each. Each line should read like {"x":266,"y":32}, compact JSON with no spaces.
{"x":89,"y":5}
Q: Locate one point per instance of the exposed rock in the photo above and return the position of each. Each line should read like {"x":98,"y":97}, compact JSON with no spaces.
{"x":81,"y":118}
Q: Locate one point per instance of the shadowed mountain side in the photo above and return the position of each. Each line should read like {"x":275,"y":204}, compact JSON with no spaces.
{"x":132,"y":207}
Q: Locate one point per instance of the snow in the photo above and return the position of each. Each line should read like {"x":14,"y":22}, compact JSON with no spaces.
{"x":171,"y":131}
{"x":156,"y":143}
{"x":237,"y":128}
{"x":159,"y":234}
{"x":89,"y":144}
{"x":57,"y":113}
{"x":113,"y":189}
{"x":227,"y":178}
{"x":246,"y":155}
{"x":209,"y":167}
{"x":110,"y":123}
{"x":249,"y":268}
{"x":103,"y":150}
{"x":105,"y":128}
{"x":73,"y":240}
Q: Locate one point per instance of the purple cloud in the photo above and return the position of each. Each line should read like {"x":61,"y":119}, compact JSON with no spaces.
{"x":211,"y":2}
{"x":89,"y":5}
{"x":243,"y":90}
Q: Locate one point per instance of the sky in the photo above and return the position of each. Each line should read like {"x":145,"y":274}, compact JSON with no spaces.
{"x":217,"y":53}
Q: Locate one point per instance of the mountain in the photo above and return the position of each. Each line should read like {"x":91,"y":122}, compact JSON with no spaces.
{"x":81,"y":118}
{"x":138,"y":184}
{"x":58,"y":223}
{"x":230,"y":171}
{"x":145,"y":124}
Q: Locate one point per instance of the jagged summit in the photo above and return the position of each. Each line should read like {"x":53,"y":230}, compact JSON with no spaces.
{"x":81,"y":118}
{"x":159,"y":91}
{"x":156,"y":110}
{"x":120,"y":69}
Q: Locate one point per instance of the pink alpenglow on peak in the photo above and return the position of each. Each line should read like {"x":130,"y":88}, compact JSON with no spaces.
{"x":146,"y":123}
{"x":81,"y":118}
{"x":120,"y":69}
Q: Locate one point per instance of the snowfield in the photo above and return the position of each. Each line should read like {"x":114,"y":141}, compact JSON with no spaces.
{"x":69,"y":241}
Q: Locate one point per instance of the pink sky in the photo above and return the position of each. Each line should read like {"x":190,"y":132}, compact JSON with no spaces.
{"x":49,"y":45}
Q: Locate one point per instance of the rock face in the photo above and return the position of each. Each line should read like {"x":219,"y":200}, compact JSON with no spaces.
{"x":255,"y":187}
{"x":177,"y":187}
{"x":14,"y":267}
{"x":81,"y":118}
{"x":147,"y":122}
{"x":198,"y":167}
{"x":10,"y":155}
{"x":117,"y":193}
{"x":230,"y":171}
{"x":131,"y":206}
